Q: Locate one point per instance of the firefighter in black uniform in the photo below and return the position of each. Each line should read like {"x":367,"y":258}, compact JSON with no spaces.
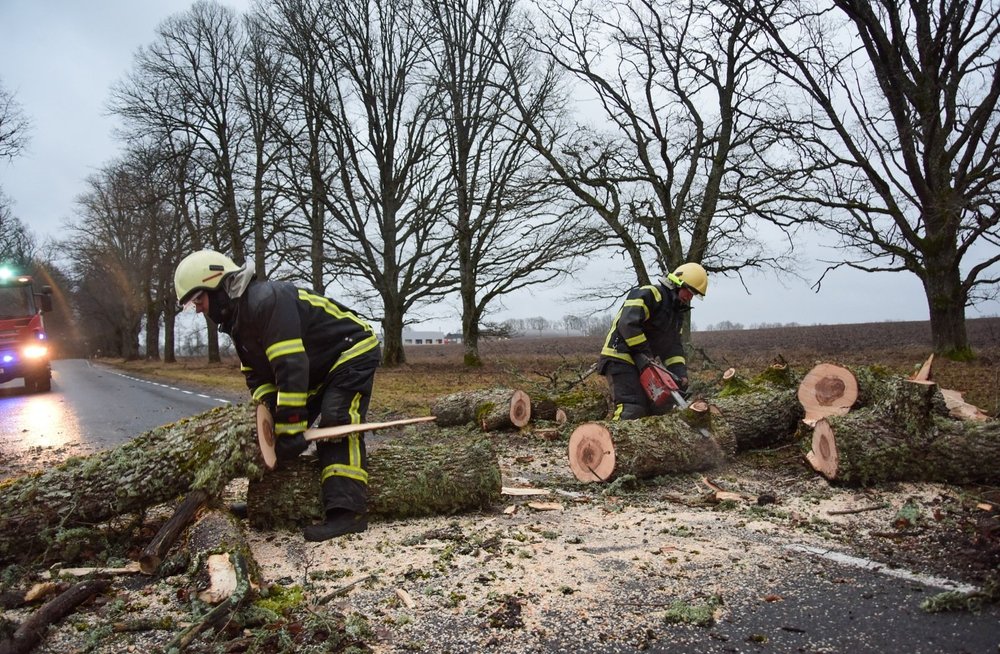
{"x":648,"y":326}
{"x":304,"y":356}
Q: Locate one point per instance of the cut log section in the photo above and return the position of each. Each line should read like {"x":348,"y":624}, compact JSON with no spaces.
{"x":907,"y":437}
{"x":763,"y":419}
{"x":266,"y":437}
{"x":491,"y":409}
{"x":827,"y":390}
{"x":437,"y":472}
{"x":644,"y":448}
{"x":585,"y":403}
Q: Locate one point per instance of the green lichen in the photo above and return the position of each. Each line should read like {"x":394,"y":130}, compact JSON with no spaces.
{"x":700,"y":614}
{"x":281,"y":600}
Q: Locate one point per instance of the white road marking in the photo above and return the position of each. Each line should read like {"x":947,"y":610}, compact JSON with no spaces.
{"x":901,"y":573}
{"x":173,"y":388}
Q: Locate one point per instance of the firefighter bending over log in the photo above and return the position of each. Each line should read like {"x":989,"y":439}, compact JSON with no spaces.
{"x":648,"y":328}
{"x":305,"y":357}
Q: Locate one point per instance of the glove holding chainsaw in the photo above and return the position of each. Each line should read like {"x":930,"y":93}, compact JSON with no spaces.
{"x":643,"y":360}
{"x":680,"y":375}
{"x":289,"y":431}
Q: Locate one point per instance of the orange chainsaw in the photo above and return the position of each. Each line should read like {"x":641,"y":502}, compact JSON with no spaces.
{"x":661,"y":386}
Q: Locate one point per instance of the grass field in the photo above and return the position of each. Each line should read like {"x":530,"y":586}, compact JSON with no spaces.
{"x":546,"y":363}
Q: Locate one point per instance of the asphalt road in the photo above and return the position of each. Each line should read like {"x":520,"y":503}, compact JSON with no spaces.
{"x":90,"y":408}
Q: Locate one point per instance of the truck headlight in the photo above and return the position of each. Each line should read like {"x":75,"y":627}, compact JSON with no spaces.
{"x":35,"y":351}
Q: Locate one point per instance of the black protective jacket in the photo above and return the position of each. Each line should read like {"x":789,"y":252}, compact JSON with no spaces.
{"x":648,"y":323}
{"x":289,"y":341}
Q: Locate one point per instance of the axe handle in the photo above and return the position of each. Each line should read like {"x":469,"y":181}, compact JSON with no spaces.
{"x":318,"y":433}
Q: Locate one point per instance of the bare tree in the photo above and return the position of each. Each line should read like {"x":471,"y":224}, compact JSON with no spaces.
{"x":385,"y":215}
{"x":14,"y":126}
{"x":900,"y":134}
{"x":512,"y":229}
{"x":678,"y":133}
{"x":108,"y":247}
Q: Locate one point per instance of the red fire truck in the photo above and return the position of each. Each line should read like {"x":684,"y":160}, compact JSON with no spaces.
{"x":24,"y":345}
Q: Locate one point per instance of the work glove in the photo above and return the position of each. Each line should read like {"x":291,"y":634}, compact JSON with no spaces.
{"x":680,"y":373}
{"x":289,"y":431}
{"x":643,"y":361}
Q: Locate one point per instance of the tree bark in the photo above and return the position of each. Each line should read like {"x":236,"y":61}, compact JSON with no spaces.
{"x":762,"y":419}
{"x":216,"y":543}
{"x":420,"y":473}
{"x":907,"y":437}
{"x":585,"y":403}
{"x":203,"y":452}
{"x":644,"y":448}
{"x":492,"y":409}
{"x":31,"y":632}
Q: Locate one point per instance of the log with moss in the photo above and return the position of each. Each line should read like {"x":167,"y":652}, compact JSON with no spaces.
{"x":417,"y":472}
{"x":585,"y":403}
{"x":908,"y":436}
{"x":491,"y":409}
{"x":761,"y":419}
{"x":647,"y":447}
{"x":205,"y":452}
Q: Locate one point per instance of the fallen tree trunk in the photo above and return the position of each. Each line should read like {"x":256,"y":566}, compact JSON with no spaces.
{"x":907,"y":437}
{"x":204,"y":452}
{"x":586,"y":402}
{"x":418,"y":473}
{"x":492,"y":409}
{"x":32,"y":630}
{"x":647,"y":447}
{"x":763,"y":419}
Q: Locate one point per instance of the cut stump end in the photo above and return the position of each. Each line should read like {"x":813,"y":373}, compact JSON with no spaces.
{"x":520,"y":408}
{"x":823,"y":456}
{"x":591,"y":453}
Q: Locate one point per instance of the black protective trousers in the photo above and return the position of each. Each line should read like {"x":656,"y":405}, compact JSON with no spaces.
{"x":344,"y":461}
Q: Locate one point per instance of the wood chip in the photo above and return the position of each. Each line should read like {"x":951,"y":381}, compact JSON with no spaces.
{"x":83,"y":572}
{"x":512,"y":490}
{"x":405,"y":598}
{"x":41,"y":591}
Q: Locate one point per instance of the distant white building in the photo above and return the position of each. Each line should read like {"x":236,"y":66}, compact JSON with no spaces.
{"x":422,"y":338}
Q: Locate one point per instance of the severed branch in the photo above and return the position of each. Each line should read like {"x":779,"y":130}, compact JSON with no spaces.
{"x":32,"y":630}
{"x":152,"y":555}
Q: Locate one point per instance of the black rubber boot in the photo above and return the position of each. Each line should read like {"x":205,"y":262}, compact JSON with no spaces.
{"x":338,"y":523}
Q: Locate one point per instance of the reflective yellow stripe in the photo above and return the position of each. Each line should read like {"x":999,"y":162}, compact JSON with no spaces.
{"x":638,"y":303}
{"x":615,"y":354}
{"x":284,"y":348}
{"x":655,"y":291}
{"x":262,"y":390}
{"x":366,"y":345}
{"x":618,"y":412}
{"x":636,"y":340}
{"x":672,"y":360}
{"x":245,"y":369}
{"x":285,"y":428}
{"x":353,"y":469}
{"x":288,"y":398}
{"x":354,"y":411}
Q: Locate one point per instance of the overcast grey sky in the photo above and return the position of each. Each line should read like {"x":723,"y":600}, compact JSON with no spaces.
{"x":61,"y":57}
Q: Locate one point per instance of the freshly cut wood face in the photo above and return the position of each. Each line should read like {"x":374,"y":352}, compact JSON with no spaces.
{"x":827,"y":390}
{"x":823,"y":456}
{"x":591,"y":453}
{"x":520,"y":408}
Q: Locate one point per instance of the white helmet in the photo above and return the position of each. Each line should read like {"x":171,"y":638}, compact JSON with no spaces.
{"x":201,"y":271}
